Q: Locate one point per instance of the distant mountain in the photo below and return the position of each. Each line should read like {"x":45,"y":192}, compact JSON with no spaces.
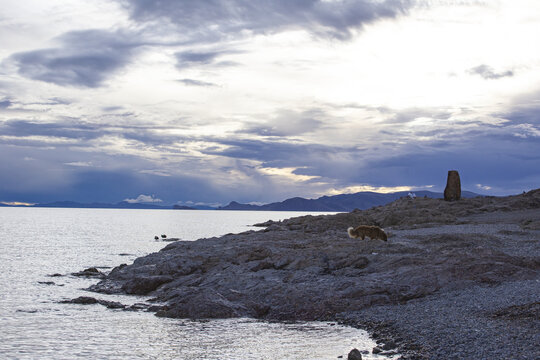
{"x":343,"y":202}
{"x":182,"y":207}
{"x":120,"y":205}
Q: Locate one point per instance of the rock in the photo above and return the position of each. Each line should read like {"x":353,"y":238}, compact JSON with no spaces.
{"x":111,"y":304}
{"x":171,"y":239}
{"x":46,"y":282}
{"x":90,"y":272}
{"x":376,"y":350}
{"x":85,"y":300}
{"x":452,"y":192}
{"x":296,"y":275}
{"x":163,"y":236}
{"x":201,"y":304}
{"x":354,"y":354}
{"x":389,"y":345}
{"x":264,"y":224}
{"x":145,"y":284}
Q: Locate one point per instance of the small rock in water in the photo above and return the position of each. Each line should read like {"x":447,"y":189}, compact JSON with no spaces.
{"x":354,"y":354}
{"x":46,"y":282}
{"x":90,"y":272}
{"x":156,"y":237}
{"x":55,"y":275}
{"x":163,"y":236}
{"x":85,"y":300}
{"x":376,"y":350}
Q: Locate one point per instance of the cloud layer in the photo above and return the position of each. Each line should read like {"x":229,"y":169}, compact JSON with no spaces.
{"x":211,"y":101}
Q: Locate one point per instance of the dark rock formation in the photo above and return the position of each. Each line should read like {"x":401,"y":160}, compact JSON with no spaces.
{"x":145,"y":284}
{"x":354,"y":354}
{"x":452,"y":192}
{"x":88,"y":300}
{"x":308,"y":268}
{"x":90,"y":272}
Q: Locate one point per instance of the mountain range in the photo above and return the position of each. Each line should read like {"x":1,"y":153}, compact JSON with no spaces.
{"x":337,"y":203}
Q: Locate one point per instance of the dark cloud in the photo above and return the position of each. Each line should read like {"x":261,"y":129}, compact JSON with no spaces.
{"x":189,"y":57}
{"x":72,"y":130}
{"x":41,"y":175}
{"x":488,"y":72}
{"x":5,"y":103}
{"x":112,"y":108}
{"x":76,"y":129}
{"x":209,"y":19}
{"x":85,"y":59}
{"x":193,"y":82}
{"x":186,"y":59}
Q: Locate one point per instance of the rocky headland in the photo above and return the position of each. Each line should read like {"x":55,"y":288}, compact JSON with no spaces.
{"x":455,"y":279}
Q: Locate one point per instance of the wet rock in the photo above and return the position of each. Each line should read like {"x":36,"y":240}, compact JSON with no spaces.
{"x":203,"y":304}
{"x":55,"y":275}
{"x":111,"y":304}
{"x":87,"y":300}
{"x":46,"y":282}
{"x":90,"y":272}
{"x":81,"y":300}
{"x":354,"y":354}
{"x":376,"y":350}
{"x":452,"y":192}
{"x":145,"y":284}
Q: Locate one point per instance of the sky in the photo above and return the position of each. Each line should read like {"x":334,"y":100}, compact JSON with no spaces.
{"x":209,"y":101}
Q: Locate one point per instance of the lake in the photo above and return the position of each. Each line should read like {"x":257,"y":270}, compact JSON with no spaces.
{"x":38,"y":242}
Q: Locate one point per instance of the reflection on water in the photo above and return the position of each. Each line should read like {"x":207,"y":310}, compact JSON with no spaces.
{"x":38,"y":242}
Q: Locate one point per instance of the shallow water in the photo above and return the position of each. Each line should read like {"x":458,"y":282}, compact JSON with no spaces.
{"x":38,"y":242}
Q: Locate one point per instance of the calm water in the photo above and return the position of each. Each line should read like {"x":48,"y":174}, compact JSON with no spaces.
{"x":37,"y":242}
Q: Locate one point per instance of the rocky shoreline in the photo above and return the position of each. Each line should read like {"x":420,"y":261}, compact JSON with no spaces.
{"x":455,"y":279}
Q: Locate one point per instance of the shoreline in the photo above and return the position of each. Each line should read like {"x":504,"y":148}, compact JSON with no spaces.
{"x":444,"y":264}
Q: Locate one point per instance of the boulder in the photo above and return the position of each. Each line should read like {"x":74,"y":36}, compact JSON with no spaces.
{"x":90,"y":272}
{"x":452,"y":192}
{"x":354,"y":354}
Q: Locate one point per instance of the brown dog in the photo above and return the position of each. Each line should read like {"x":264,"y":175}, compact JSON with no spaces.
{"x":373,"y":232}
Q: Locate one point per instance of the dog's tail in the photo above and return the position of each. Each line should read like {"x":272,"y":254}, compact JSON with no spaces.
{"x":350,"y":231}
{"x":384,"y":236}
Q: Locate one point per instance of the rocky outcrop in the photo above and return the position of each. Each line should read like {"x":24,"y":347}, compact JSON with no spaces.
{"x":354,"y":354}
{"x":90,"y":272}
{"x":452,"y":192}
{"x":308,"y":267}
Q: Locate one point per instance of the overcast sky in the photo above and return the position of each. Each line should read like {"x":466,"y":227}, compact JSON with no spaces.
{"x":208,"y":101}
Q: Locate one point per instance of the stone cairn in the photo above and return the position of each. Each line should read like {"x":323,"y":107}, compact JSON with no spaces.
{"x":452,"y":192}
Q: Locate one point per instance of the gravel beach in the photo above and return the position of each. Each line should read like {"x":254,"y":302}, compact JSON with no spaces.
{"x":456,"y":280}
